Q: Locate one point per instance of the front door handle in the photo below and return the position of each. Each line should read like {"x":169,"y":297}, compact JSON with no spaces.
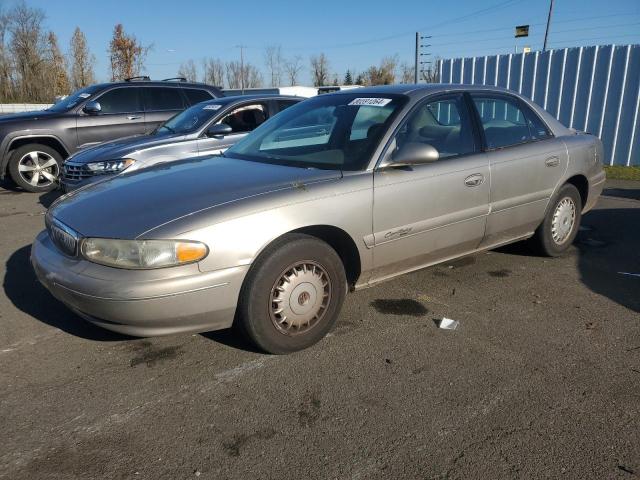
{"x":552,"y":161}
{"x":133,"y":117}
{"x":474,"y":180}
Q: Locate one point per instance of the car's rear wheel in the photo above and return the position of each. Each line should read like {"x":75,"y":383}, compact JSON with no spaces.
{"x":292,"y":295}
{"x":35,"y":167}
{"x":560,"y":226}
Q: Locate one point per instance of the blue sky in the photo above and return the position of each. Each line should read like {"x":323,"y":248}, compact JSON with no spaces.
{"x":352,"y":34}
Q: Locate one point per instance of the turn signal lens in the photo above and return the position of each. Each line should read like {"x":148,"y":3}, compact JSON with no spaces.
{"x":190,"y":252}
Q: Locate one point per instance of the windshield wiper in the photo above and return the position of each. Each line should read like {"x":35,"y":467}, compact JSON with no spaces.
{"x":168,"y":128}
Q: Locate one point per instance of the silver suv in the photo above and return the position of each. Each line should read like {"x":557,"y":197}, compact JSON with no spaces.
{"x":206,"y":128}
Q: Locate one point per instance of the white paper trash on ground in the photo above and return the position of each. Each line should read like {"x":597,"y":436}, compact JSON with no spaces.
{"x":447,"y":323}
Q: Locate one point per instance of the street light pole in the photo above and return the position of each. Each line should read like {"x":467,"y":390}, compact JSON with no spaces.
{"x":546,"y":32}
{"x":241,"y":47}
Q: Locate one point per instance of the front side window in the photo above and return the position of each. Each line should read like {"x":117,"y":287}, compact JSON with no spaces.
{"x":191,"y":119}
{"x":445,"y":124}
{"x":337,"y":132}
{"x":246,"y":118}
{"x":120,"y":100}
{"x":284,"y":104}
{"x":505,"y":123}
{"x":162,"y":98}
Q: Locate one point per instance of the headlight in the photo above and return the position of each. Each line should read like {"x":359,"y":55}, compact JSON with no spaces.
{"x":142,"y":254}
{"x":110,"y":166}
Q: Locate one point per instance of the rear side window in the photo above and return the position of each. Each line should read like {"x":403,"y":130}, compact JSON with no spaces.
{"x":505,"y":122}
{"x":120,"y":100}
{"x":445,"y":124}
{"x":162,"y":98}
{"x":195,"y":95}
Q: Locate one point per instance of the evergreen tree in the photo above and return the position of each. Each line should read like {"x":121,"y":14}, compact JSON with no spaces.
{"x":347,"y":78}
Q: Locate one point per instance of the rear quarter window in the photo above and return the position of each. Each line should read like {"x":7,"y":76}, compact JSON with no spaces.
{"x":162,"y":98}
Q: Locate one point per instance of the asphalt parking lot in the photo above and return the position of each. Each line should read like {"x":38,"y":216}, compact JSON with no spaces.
{"x":540,"y":380}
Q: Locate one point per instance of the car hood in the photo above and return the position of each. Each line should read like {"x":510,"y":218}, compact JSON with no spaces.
{"x":27,"y":116}
{"x":124,"y":146}
{"x":129,"y":205}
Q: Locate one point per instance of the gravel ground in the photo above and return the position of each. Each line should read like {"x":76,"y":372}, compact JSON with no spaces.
{"x":540,"y":380}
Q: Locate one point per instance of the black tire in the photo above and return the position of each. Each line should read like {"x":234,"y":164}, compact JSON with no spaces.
{"x":315,"y":261}
{"x":550,"y":243}
{"x":43,"y":154}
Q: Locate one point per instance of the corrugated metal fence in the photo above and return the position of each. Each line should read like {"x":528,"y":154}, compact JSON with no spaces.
{"x":594,"y":89}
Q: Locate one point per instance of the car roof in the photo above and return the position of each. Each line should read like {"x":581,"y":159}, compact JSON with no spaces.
{"x":256,"y":97}
{"x":419,"y":89}
{"x":159,"y":83}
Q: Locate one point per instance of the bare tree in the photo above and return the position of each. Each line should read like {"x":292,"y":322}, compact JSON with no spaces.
{"x":273,"y":60}
{"x":320,"y":69}
{"x":235,"y":74}
{"x":26,"y":46}
{"x":430,"y":74}
{"x":6,"y":68}
{"x":406,"y":73}
{"x":213,"y":71}
{"x":292,"y":68}
{"x":126,"y":54}
{"x":82,"y":61}
{"x":56,"y":70}
{"x":384,"y":74}
{"x":188,"y":70}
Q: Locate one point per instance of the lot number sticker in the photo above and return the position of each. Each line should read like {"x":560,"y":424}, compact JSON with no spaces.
{"x":373,"y":102}
{"x":212,"y":107}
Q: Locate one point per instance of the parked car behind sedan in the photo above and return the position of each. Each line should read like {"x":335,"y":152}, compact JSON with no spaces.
{"x":206,"y":128}
{"x":34,"y":144}
{"x":340,"y":191}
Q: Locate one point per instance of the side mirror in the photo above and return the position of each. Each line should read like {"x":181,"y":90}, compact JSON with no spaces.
{"x":92,"y":108}
{"x":412,"y":154}
{"x":218,"y":130}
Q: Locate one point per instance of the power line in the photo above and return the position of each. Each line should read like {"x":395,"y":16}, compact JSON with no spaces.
{"x":599,"y":27}
{"x":475,"y":14}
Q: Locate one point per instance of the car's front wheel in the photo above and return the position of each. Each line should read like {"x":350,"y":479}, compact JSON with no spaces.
{"x":560,"y":226}
{"x":292,"y":295}
{"x":35,"y":167}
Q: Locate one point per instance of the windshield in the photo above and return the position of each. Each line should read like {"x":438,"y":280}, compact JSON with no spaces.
{"x":191,"y":119}
{"x":336,"y":132}
{"x":74,"y":99}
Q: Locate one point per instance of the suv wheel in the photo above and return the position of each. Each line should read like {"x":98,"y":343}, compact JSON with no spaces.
{"x":292,"y":295}
{"x":35,"y":167}
{"x":560,"y":226}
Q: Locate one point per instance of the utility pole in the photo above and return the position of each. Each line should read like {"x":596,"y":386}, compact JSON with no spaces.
{"x":417,"y":61}
{"x":546,"y":32}
{"x":241,"y":47}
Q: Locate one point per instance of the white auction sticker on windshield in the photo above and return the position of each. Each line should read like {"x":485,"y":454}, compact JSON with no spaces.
{"x":84,"y":95}
{"x":212,"y":107}
{"x":374,"y":102}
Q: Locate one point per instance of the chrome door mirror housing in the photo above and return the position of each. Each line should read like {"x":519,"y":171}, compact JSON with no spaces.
{"x":410,"y":154}
{"x":92,"y":108}
{"x":218,"y":130}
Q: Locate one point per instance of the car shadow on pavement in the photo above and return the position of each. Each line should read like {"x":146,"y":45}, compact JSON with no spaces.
{"x":609,"y":254}
{"x":231,"y":337}
{"x":47,"y":198}
{"x":26,"y":293}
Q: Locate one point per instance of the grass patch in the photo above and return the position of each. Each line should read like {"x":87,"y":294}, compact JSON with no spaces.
{"x":618,"y":172}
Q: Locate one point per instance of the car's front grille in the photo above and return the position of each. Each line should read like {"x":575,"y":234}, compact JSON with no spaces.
{"x":63,"y":237}
{"x":74,"y":172}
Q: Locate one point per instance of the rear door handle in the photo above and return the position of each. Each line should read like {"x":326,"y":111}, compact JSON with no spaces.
{"x":474,"y":180}
{"x":552,"y":161}
{"x":133,"y":117}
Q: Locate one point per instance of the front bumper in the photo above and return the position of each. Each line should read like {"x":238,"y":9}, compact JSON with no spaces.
{"x":139,"y":302}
